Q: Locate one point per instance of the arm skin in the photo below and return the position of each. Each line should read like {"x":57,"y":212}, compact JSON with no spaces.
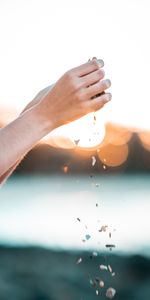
{"x":35,"y":101}
{"x":66,"y":101}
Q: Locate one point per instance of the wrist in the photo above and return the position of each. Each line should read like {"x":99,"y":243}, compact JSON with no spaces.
{"x":42,"y":120}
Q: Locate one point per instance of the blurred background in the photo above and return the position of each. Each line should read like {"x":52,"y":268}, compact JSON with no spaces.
{"x":74,"y":216}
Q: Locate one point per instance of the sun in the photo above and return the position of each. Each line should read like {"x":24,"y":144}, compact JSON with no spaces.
{"x":87,"y":132}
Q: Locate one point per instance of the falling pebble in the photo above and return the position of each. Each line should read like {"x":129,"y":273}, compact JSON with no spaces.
{"x":79,"y":261}
{"x":87,"y":236}
{"x":94,"y":118}
{"x":96,"y":204}
{"x":65,"y":169}
{"x":83,"y":241}
{"x":97,"y":292}
{"x":103,"y":228}
{"x":110,"y":293}
{"x":104,"y":167}
{"x":91,"y":281}
{"x":110,"y":235}
{"x":101,"y":283}
{"x":110,"y":246}
{"x":110,"y":268}
{"x":97,"y":184}
{"x":103,"y":267}
{"x":95,"y":253}
{"x":76,"y":142}
{"x":93,"y":161}
{"x":113,"y":274}
{"x":79,"y":219}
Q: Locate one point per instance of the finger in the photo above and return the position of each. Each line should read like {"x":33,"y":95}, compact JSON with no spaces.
{"x":88,"y":67}
{"x":93,"y":77}
{"x":99,"y":102}
{"x":98,"y":88}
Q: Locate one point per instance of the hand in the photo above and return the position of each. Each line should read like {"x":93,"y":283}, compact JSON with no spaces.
{"x":74,"y":93}
{"x":70,"y":98}
{"x":38,"y":98}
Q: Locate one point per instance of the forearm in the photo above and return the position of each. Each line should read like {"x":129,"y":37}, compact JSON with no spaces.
{"x":17,"y":138}
{"x":35,"y":101}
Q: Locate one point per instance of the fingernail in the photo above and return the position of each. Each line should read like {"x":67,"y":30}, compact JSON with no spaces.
{"x":101,"y":62}
{"x":108,"y":82}
{"x":108,"y":97}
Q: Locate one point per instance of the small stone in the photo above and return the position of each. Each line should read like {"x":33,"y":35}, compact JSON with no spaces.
{"x":65,"y":169}
{"x":110,"y":293}
{"x":101,"y":283}
{"x":91,"y":282}
{"x":110,"y":246}
{"x":110,"y":268}
{"x":97,"y":185}
{"x":93,"y":161}
{"x":103,"y":228}
{"x":76,"y":142}
{"x":103,"y":267}
{"x":97,"y":292}
{"x":79,"y":261}
{"x":87,"y":236}
{"x":95,"y":253}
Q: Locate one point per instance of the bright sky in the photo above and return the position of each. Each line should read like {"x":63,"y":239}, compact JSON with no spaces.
{"x":41,"y":39}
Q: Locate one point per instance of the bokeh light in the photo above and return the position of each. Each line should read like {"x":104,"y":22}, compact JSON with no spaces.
{"x":112,"y":155}
{"x":144,"y":137}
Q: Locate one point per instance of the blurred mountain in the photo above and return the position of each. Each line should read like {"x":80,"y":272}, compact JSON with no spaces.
{"x":44,"y":159}
{"x":122,"y":150}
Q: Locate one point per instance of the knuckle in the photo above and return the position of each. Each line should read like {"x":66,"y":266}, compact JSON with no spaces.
{"x":99,"y":72}
{"x":69,"y":75}
{"x":79,"y":96}
{"x":76,"y":84}
{"x":102,"y":72}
